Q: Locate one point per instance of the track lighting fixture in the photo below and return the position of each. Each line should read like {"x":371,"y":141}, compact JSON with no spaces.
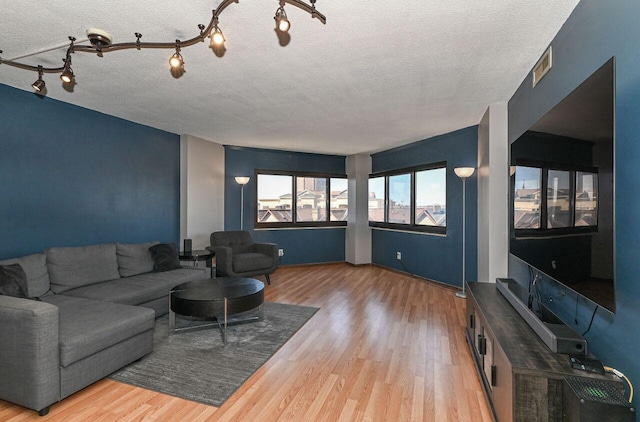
{"x":39,"y":85}
{"x":176,"y":60}
{"x":282,"y":23}
{"x":102,"y":42}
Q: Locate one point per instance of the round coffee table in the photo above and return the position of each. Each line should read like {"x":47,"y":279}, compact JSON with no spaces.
{"x":216,"y":299}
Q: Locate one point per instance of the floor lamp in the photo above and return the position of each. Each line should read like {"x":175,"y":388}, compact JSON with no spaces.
{"x":463,"y":173}
{"x":242,"y":180}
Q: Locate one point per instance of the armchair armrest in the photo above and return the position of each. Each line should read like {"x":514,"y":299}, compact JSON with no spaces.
{"x":269,"y":249}
{"x":223,"y":259}
{"x":29,"y":356}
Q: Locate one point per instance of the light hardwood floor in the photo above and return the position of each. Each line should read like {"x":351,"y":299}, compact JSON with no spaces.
{"x":383,"y":347}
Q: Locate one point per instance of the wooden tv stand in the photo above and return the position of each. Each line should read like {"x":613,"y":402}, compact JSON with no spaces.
{"x":522,"y":378}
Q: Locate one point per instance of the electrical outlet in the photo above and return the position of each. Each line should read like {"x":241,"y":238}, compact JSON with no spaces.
{"x":280,"y":252}
{"x":398,"y":255}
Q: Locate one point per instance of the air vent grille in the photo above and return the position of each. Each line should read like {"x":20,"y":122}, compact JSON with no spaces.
{"x":542,"y":67}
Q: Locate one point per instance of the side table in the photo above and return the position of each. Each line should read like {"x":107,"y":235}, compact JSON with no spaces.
{"x":197,"y":256}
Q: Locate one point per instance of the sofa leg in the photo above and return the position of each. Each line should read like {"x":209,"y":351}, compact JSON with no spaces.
{"x":268,"y":280}
{"x":45,"y":411}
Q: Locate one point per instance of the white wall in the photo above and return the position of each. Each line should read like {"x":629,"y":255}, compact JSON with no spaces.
{"x":201,"y":189}
{"x":358,"y":236}
{"x":493,"y":194}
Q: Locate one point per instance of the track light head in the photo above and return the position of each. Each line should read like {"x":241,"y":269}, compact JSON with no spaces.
{"x":67,"y":73}
{"x":217,"y":38}
{"x":176,"y":61}
{"x":282,"y":23}
{"x":39,"y":85}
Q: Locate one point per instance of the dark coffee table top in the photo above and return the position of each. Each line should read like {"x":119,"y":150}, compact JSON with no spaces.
{"x":205,"y":298}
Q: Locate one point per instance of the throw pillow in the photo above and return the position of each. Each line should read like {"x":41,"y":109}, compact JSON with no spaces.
{"x":165,"y":257}
{"x":13,"y":281}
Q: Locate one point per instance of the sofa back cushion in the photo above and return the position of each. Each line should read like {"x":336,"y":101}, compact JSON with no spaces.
{"x":80,"y":266}
{"x":35,"y":268}
{"x":134,"y":259}
{"x":239,"y":240}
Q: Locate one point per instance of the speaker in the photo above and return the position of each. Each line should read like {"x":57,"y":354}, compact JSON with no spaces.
{"x":187,"y":245}
{"x":591,"y":400}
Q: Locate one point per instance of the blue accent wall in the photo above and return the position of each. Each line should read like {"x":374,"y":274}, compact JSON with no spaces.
{"x":70,"y":176}
{"x":301,"y":246}
{"x":432,"y":256}
{"x":595,"y":32}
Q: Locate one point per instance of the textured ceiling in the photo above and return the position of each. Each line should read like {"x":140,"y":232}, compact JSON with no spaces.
{"x":379,"y":74}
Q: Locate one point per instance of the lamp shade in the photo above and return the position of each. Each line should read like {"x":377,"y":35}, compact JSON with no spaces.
{"x":242,"y":180}
{"x":464,"y":172}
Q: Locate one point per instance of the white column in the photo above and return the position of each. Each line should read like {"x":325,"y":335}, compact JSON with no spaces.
{"x":493,"y":194}
{"x":201,"y":189}
{"x":358,"y":238}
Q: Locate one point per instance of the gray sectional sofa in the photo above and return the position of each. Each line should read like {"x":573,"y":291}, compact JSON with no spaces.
{"x":91,"y":310}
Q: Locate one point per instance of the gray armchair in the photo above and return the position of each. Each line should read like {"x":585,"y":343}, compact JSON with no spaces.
{"x":238,"y":256}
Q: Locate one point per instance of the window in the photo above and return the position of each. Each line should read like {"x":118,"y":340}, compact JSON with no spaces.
{"x":400,"y":199}
{"x":319,"y":200}
{"x":376,"y":199}
{"x":567,"y":205}
{"x":586,"y":199}
{"x":311,"y":199}
{"x":526,"y":205}
{"x":410,"y":199}
{"x":558,"y":199}
{"x":274,"y":198}
{"x":339,"y":200}
{"x":431,"y":197}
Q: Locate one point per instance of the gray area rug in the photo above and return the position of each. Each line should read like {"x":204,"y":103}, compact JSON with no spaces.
{"x":194,"y":365}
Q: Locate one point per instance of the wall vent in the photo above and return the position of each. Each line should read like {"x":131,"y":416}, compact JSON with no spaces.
{"x":542,"y":67}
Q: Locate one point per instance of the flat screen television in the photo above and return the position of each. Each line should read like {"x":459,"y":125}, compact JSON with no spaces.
{"x":562,"y":191}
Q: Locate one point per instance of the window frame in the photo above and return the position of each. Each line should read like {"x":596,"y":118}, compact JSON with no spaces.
{"x":411,"y":226}
{"x":544,"y":230}
{"x":294,"y":200}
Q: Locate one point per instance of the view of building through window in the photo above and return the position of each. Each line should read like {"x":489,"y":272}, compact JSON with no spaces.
{"x":528,"y":199}
{"x":376,"y":199}
{"x":400,"y":199}
{"x":274,"y":198}
{"x":526,"y":204}
{"x":586,"y":199}
{"x":558,"y":199}
{"x":339,"y":199}
{"x":429,"y":199}
{"x":276,"y":202}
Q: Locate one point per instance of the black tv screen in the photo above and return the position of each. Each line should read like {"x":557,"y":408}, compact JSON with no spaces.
{"x":562,"y":191}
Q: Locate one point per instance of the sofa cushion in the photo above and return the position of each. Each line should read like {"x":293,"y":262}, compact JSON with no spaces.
{"x":134,"y":259}
{"x":138,"y":289}
{"x":13,"y":281}
{"x":251,"y":261}
{"x":89,"y":326}
{"x":165,"y":257}
{"x":81,"y":266}
{"x":35,"y":268}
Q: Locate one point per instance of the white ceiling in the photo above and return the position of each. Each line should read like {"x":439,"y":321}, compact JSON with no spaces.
{"x":379,"y":74}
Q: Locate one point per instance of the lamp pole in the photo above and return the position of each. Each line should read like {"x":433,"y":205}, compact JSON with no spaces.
{"x":463,"y":173}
